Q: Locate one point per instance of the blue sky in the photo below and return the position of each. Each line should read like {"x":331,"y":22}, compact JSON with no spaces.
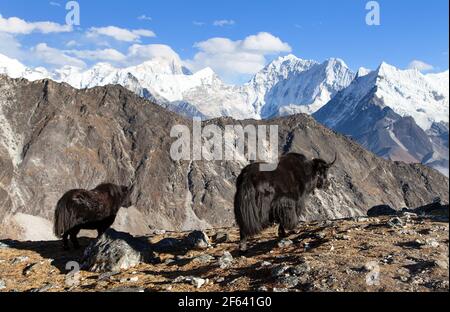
{"x":319,"y":29}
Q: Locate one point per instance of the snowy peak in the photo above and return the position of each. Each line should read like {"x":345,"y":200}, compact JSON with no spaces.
{"x":291,"y":85}
{"x":395,"y":114}
{"x":14,"y":69}
{"x":411,"y":93}
{"x":362,"y":71}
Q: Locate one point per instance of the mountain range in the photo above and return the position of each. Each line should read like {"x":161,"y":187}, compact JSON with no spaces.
{"x":397,"y":114}
{"x":54,"y":137}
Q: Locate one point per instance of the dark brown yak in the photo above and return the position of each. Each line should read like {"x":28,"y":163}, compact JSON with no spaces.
{"x":264,"y":198}
{"x":90,"y":210}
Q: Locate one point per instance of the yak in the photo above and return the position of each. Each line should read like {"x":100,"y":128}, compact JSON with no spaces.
{"x":96,"y":209}
{"x":265,"y":198}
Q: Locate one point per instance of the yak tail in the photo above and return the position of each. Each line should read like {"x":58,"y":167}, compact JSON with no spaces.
{"x":62,"y":217}
{"x":251,"y":208}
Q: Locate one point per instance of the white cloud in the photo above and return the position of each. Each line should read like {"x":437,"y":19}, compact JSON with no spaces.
{"x":120,"y":34}
{"x":224,"y":22}
{"x":55,"y":57}
{"x":72,"y":43}
{"x":233,"y":59}
{"x":265,"y":43}
{"x":53,"y":3}
{"x":110,"y":55}
{"x":144,"y":17}
{"x":10,"y":46}
{"x":140,"y":53}
{"x":15,"y":25}
{"x":420,"y":66}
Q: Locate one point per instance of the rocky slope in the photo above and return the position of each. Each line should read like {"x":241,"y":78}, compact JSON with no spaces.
{"x":408,"y":252}
{"x":54,"y":138}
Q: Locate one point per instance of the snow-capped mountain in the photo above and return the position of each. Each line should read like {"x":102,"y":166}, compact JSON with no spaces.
{"x":290,"y":85}
{"x":397,"y":114}
{"x":285,"y":86}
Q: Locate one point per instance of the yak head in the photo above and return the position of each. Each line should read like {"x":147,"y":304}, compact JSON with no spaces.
{"x":125,"y":195}
{"x":321,"y":168}
{"x":120,"y":194}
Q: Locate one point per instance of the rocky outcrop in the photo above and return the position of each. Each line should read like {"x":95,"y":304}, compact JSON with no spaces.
{"x":115,"y":251}
{"x":54,"y":138}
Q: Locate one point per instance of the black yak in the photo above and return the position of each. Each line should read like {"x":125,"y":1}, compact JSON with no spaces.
{"x":264,"y":198}
{"x":89,"y":210}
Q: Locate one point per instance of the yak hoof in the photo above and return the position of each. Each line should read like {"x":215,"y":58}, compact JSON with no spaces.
{"x":243,"y":247}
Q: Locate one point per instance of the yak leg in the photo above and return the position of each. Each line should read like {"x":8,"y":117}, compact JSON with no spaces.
{"x":104,"y":225}
{"x":285,"y":215}
{"x":243,"y":242}
{"x":65,"y":241}
{"x":282,"y":232}
{"x":73,"y":237}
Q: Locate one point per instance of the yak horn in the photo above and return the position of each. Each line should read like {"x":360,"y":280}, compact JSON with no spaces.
{"x":317,"y":151}
{"x":334,"y":161}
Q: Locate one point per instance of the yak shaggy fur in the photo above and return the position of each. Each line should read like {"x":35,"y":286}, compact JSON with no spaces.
{"x":264,"y":198}
{"x":89,"y":210}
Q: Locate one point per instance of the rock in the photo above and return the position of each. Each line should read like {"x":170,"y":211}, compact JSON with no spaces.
{"x":432,"y":242}
{"x":288,"y":281}
{"x":226,"y":260}
{"x":262,"y":289}
{"x":133,"y":279}
{"x":279,"y":270}
{"x":2,"y":284}
{"x":203,"y":259}
{"x":266,"y":264}
{"x":159,"y":232}
{"x":442,"y":263}
{"x":342,"y":237}
{"x":29,"y":269}
{"x":169,"y":261}
{"x":20,"y":259}
{"x":285,"y":242}
{"x":300,"y":269}
{"x":221,"y":237}
{"x":115,"y":251}
{"x":44,"y":288}
{"x":370,"y":266}
{"x":236,"y":280}
{"x":107,"y":275}
{"x":4,"y":245}
{"x":276,"y":289}
{"x":179,"y":279}
{"x":220,"y":279}
{"x":198,"y":282}
{"x":389,"y":259}
{"x":197,"y":240}
{"x":381,"y":210}
{"x":395,"y":222}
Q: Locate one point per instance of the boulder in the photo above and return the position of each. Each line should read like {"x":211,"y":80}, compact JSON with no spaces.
{"x":197,"y":240}
{"x":115,"y":251}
